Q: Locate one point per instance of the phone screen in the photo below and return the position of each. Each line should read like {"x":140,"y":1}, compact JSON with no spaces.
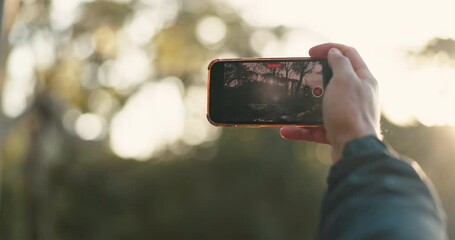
{"x":267,"y":92}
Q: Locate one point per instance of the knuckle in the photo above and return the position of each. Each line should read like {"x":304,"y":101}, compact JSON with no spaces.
{"x":351,"y":50}
{"x":373,"y":82}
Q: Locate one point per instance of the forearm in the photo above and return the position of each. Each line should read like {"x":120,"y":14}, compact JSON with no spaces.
{"x":374,"y":195}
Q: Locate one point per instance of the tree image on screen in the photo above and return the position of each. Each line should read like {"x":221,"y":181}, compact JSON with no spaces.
{"x":269,"y":92}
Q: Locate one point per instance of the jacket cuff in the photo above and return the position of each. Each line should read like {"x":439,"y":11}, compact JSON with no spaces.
{"x":357,"y":153}
{"x":363,"y":146}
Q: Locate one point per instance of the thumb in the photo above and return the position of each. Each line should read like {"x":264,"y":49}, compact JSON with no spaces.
{"x":339,"y":64}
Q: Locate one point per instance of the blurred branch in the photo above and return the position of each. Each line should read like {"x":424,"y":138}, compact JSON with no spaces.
{"x":436,"y":46}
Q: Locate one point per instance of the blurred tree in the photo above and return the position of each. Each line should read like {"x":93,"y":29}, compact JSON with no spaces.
{"x":235,"y":197}
{"x":8,"y":13}
{"x":72,"y":61}
{"x":438,"y":45}
{"x":68,"y":59}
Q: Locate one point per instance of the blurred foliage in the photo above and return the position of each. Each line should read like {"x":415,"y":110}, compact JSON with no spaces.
{"x":439,"y":45}
{"x":236,"y":197}
{"x":247,"y":184}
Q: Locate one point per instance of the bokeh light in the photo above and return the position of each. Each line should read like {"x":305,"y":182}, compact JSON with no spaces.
{"x":211,"y":30}
{"x":18,"y":89}
{"x":131,"y":68}
{"x":149,"y":121}
{"x":90,"y":126}
{"x":89,"y":83}
{"x":197,"y":129}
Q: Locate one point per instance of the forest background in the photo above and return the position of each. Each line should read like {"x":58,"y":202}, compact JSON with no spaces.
{"x":103,"y":133}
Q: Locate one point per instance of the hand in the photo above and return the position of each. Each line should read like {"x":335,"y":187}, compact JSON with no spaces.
{"x":350,"y":107}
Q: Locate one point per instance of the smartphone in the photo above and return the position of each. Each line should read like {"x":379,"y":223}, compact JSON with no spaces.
{"x":266,"y":92}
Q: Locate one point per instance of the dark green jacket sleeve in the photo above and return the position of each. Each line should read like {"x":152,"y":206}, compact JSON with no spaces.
{"x":372,"y":194}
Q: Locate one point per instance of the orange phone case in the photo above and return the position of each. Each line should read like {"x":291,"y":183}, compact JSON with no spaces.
{"x":251,"y":125}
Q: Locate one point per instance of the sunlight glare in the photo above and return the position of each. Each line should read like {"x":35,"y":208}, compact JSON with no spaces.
{"x":407,"y":95}
{"x":436,"y":95}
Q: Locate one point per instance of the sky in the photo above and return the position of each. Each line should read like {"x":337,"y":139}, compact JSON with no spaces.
{"x":383,"y":32}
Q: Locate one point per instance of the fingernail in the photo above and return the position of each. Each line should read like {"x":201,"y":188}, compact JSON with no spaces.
{"x":335,"y":51}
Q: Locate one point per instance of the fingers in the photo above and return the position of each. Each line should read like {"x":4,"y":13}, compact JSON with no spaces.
{"x":349,"y":75}
{"x":340,"y":65}
{"x":316,"y":134}
{"x":320,"y":51}
{"x":359,"y":66}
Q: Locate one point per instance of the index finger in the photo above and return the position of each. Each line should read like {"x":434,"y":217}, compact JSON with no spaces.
{"x":312,"y":134}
